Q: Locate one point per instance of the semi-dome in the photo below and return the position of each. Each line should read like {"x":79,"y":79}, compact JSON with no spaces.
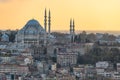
{"x":5,"y":37}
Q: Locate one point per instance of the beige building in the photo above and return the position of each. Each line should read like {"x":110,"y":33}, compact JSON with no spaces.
{"x":65,"y":77}
{"x":13,"y":68}
{"x":67,"y":58}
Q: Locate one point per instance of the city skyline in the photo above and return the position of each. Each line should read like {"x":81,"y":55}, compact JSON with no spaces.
{"x":88,"y":14}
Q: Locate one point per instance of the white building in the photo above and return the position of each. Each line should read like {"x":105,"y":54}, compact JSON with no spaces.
{"x":53,"y":67}
{"x":118,"y":67}
{"x":102,"y":64}
{"x":116,"y":76}
{"x":107,"y":74}
{"x":100,"y":71}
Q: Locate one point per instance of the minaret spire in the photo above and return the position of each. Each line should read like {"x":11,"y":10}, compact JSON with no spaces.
{"x":45,"y":20}
{"x":45,"y":26}
{"x":49,"y":22}
{"x":70,"y":26}
{"x":73,"y":26}
{"x":72,"y":29}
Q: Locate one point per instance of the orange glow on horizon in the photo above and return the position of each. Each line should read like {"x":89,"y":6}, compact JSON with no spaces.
{"x":88,"y":14}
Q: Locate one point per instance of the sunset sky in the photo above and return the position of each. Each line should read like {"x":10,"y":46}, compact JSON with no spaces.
{"x":88,"y":14}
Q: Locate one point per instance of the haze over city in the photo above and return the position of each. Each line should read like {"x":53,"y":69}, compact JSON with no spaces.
{"x":59,"y":39}
{"x":88,"y":14}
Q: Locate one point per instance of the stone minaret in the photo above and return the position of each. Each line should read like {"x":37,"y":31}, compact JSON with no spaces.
{"x":72,"y":30}
{"x":70,"y":26}
{"x":73,"y":27}
{"x":45,"y":26}
{"x":49,"y":22}
{"x":45,"y":20}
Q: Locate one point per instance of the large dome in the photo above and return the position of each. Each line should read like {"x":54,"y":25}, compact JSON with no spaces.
{"x":32,"y":25}
{"x":32,"y":22}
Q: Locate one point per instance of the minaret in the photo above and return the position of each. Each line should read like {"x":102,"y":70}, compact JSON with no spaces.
{"x":49,"y":22}
{"x":73,"y":30}
{"x":45,"y":21}
{"x":70,"y":26}
{"x":45,"y":26}
{"x":73,"y":27}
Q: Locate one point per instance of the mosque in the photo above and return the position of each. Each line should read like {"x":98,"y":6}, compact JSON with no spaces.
{"x":33,"y":33}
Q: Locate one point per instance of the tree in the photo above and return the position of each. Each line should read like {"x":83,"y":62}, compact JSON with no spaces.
{"x":91,"y":37}
{"x":83,"y":37}
{"x":71,"y":69}
{"x":12,"y":36}
{"x":45,"y":50}
{"x":58,"y":65}
{"x":108,"y":37}
{"x":54,"y":59}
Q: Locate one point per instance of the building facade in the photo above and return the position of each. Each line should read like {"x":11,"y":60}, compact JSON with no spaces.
{"x":67,"y":58}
